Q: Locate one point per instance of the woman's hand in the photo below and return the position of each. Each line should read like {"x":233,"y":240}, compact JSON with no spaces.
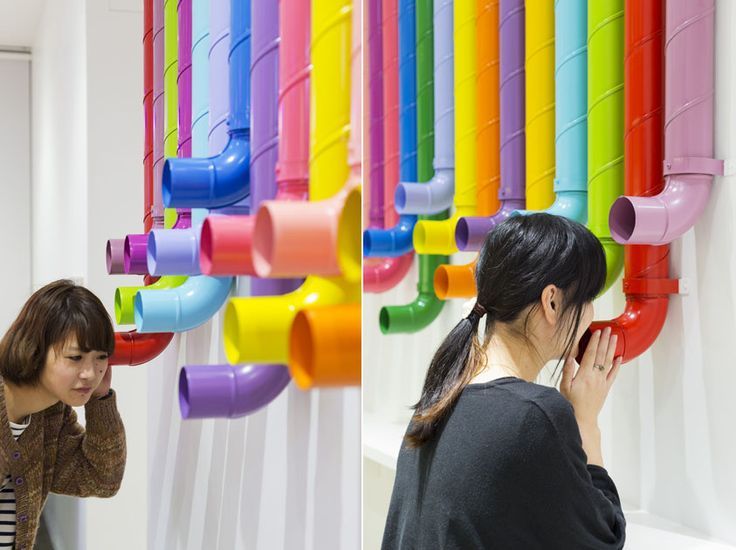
{"x":588,"y":388}
{"x":104,"y":388}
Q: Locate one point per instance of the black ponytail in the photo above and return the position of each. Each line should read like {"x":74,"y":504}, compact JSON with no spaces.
{"x":519,"y":258}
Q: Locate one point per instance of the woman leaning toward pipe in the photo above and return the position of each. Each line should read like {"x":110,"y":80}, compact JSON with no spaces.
{"x":490,"y":458}
{"x":53,"y":358}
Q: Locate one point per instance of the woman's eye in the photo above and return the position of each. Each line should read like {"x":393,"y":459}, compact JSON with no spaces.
{"x":75,"y":357}
{"x":103,"y":357}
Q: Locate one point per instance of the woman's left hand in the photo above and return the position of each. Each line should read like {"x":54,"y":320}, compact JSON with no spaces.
{"x":104,"y":388}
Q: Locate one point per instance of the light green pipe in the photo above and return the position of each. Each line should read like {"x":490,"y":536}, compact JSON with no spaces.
{"x":605,"y":124}
{"x":426,"y":306}
{"x":171,"y":93}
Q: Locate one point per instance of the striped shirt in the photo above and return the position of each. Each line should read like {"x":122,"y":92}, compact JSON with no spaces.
{"x":7,"y":497}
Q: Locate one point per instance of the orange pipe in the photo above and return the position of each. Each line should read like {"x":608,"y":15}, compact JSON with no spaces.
{"x":324,"y":346}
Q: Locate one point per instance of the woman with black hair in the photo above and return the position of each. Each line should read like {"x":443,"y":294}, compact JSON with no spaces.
{"x":490,"y":458}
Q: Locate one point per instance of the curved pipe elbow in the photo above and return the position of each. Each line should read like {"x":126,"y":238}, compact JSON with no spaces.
{"x":213,"y":182}
{"x":470,"y":232}
{"x":182,"y":308}
{"x":383,"y":274}
{"x":114,"y":256}
{"x":226,"y":245}
{"x":455,"y":281}
{"x":283,"y":227}
{"x":225,"y":391}
{"x":256,"y":329}
{"x":324,"y":346}
{"x":662,"y":218}
{"x":390,"y":243}
{"x":572,"y":205}
{"x":637,"y":327}
{"x":133,"y":348}
{"x":125,"y":297}
{"x":173,"y":252}
{"x":426,"y":198}
{"x":412,"y":317}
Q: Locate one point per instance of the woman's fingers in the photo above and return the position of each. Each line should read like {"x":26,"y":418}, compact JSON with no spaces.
{"x":586,"y":363}
{"x":600,"y":355}
{"x":611,"y":352}
{"x":613,"y":373}
{"x":568,"y":369}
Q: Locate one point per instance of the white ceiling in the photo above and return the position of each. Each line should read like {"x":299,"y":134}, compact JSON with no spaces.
{"x":19,"y":20}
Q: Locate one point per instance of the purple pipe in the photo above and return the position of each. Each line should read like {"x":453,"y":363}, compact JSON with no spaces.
{"x":471,"y":231}
{"x":377,"y":192}
{"x":225,"y":391}
{"x":689,"y":166}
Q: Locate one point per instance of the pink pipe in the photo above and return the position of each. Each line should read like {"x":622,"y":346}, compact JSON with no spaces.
{"x":382,"y":274}
{"x":689,"y":166}
{"x":227,"y":242}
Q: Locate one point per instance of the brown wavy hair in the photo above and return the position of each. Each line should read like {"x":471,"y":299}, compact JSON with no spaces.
{"x":53,"y":314}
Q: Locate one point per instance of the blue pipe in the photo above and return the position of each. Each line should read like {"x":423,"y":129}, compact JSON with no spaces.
{"x":177,"y":310}
{"x":199,"y":298}
{"x":397,"y":240}
{"x":224,"y":179}
{"x":571,"y":114}
{"x":437,"y":195}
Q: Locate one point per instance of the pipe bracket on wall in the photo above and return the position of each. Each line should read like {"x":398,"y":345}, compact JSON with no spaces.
{"x":693,"y":165}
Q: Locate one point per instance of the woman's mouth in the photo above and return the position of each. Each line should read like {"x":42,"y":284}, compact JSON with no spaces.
{"x":83,"y":391}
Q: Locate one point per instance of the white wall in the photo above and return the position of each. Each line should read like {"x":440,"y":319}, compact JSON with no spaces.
{"x":15,"y":185}
{"x":668,"y":435}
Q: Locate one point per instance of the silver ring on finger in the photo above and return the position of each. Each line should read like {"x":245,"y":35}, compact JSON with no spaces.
{"x":600,"y":367}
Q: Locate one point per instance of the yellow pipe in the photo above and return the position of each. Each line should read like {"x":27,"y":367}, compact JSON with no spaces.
{"x":256,"y":329}
{"x":438,"y":236}
{"x":540,"y":105}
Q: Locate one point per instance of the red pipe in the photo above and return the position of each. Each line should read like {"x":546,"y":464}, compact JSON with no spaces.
{"x":132,"y":348}
{"x":647,"y":282}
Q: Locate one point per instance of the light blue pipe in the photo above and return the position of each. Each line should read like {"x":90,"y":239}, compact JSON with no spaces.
{"x":200,"y":297}
{"x":437,"y":194}
{"x":182,"y":308}
{"x":397,"y":240}
{"x":176,"y":251}
{"x":571,"y":114}
{"x":224,"y":179}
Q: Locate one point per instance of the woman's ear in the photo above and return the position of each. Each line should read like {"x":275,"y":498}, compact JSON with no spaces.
{"x":551,"y":304}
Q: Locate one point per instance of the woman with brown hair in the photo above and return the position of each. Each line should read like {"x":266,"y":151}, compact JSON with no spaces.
{"x":55,"y":357}
{"x":491,"y":459}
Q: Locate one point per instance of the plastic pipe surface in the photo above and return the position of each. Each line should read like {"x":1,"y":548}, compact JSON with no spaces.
{"x":132,"y":348}
{"x":257,"y":328}
{"x":426,"y":306}
{"x":571,"y":110}
{"x":224,"y":179}
{"x":605,"y":125}
{"x":397,"y":240}
{"x":689,"y":164}
{"x":452,"y":281}
{"x":437,"y":194}
{"x":647,"y":282}
{"x":470,"y":232}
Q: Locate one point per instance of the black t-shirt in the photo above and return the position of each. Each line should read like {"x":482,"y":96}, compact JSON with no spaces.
{"x":506,"y":471}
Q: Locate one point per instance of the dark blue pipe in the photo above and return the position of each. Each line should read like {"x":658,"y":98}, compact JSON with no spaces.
{"x":397,"y":240}
{"x":224,"y":179}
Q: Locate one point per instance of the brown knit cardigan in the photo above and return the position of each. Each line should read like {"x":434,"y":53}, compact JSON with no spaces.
{"x":56,"y":454}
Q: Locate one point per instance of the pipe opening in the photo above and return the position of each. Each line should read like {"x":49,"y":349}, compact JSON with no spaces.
{"x":151,"y":252}
{"x":349,"y":253}
{"x":184,"y":393}
{"x":462,"y":234}
{"x":441,"y":282}
{"x":622,"y":219}
{"x":400,"y":198}
{"x":301,"y":351}
{"x":206,"y":248}
{"x":384,"y":320}
{"x":263,"y":241}
{"x":166,"y":184}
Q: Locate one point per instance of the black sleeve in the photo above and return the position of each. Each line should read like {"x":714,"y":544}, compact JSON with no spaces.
{"x":579,"y":505}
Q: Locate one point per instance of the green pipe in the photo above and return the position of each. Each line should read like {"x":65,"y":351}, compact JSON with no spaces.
{"x":171,"y":93}
{"x":605,"y":124}
{"x":426,"y":306}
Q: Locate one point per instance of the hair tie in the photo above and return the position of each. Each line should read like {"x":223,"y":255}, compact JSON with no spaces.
{"x":477,"y":311}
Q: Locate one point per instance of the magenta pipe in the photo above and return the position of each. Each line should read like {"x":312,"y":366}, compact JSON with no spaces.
{"x":689,"y":166}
